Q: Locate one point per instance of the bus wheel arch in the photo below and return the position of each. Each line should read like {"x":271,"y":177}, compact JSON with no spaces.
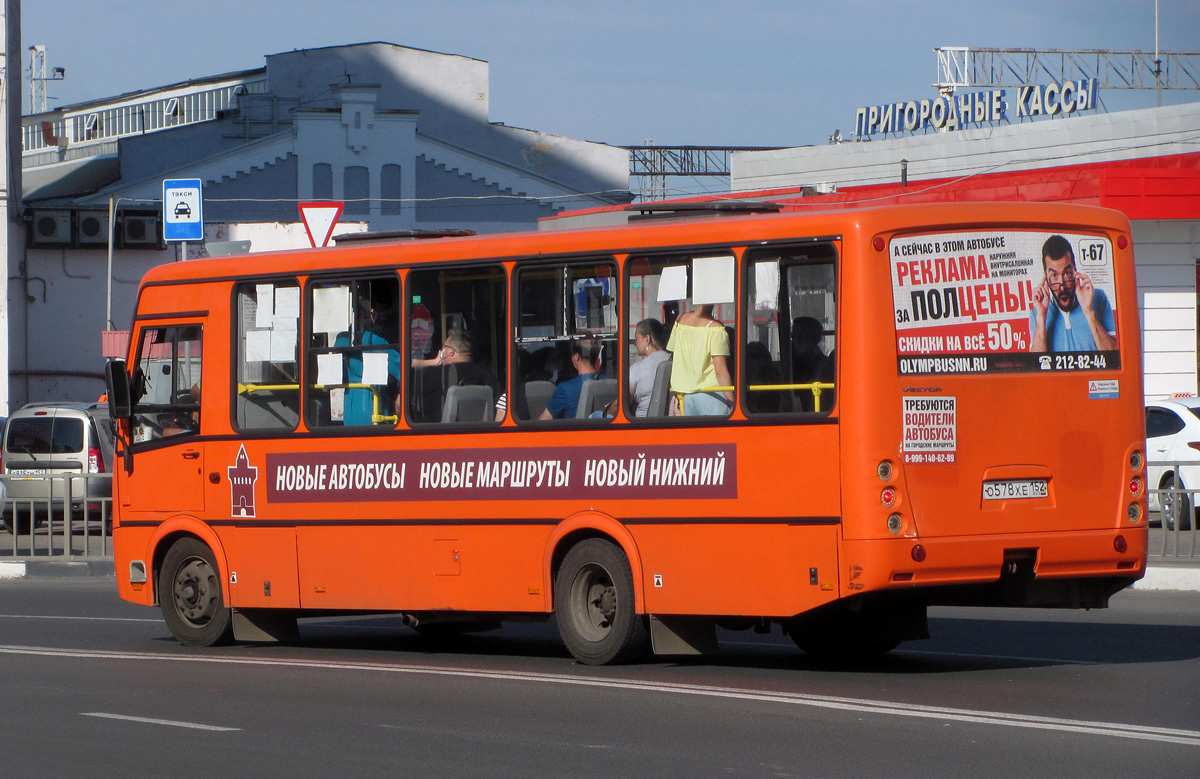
{"x":579,"y":528}
{"x":190,"y":591}
{"x":176,"y":528}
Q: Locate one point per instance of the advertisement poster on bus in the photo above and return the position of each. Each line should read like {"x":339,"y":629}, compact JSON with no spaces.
{"x":1003,"y":301}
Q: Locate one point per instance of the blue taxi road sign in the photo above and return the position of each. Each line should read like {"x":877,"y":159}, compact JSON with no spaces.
{"x":183,"y":210}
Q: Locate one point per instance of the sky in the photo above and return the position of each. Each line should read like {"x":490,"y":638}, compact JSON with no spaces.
{"x":675,"y":72}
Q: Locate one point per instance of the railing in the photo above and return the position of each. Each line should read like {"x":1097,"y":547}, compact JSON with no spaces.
{"x":1177,"y":517}
{"x":68,"y":517}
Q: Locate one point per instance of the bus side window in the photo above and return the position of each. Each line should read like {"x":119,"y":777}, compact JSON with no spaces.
{"x":167,"y":401}
{"x":457,"y":350}
{"x":353,"y":371}
{"x":681,"y":343}
{"x":268,"y":379}
{"x":566,"y":338}
{"x":791,"y":337}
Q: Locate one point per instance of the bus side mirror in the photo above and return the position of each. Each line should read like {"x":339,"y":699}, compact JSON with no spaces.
{"x":117,"y":381}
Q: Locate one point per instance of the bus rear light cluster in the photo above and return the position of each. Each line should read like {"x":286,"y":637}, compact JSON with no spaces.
{"x":888,"y":497}
{"x":1120,"y":544}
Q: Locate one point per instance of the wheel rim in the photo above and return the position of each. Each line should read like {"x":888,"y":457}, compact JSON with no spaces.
{"x":197,"y":595}
{"x":593,"y":602}
{"x":1171,"y":505}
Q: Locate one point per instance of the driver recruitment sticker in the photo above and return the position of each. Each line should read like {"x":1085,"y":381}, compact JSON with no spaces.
{"x":997,"y":301}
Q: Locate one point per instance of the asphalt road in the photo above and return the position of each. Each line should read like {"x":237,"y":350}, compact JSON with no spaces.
{"x":92,"y":686}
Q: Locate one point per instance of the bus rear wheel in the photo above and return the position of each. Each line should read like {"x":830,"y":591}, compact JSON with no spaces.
{"x":189,"y":591}
{"x":593,"y":601}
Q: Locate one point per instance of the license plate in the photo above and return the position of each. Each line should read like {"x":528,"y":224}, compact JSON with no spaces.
{"x":27,"y":472}
{"x":1009,"y":489}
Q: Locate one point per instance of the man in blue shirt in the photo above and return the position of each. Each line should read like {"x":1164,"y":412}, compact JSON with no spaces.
{"x":585,"y":356}
{"x":1069,"y":314}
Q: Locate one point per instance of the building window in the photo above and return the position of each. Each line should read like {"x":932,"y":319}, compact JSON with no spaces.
{"x":356,"y":185}
{"x":389,"y":189}
{"x":322,"y":184}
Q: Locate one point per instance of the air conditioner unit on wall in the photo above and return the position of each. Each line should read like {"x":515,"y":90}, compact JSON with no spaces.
{"x":91,"y":228}
{"x":50,"y":227}
{"x":140,"y":231}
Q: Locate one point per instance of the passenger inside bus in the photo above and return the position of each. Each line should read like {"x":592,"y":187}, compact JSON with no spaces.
{"x":454,"y":366}
{"x":699,"y":346}
{"x":378,"y":325}
{"x":650,"y":339}
{"x":586,"y":359}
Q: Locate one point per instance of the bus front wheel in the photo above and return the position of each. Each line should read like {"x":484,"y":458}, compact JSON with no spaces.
{"x":189,"y":590}
{"x":593,"y":601}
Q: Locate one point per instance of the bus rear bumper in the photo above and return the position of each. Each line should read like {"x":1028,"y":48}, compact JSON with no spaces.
{"x":1070,"y":569}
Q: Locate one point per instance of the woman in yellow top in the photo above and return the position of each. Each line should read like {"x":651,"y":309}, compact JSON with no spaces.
{"x":699,"y":347}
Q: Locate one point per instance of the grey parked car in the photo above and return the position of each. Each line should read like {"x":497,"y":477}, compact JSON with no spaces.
{"x":55,"y":439}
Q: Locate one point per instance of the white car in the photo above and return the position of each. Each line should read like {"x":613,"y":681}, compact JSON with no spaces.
{"x":1173,"y":438}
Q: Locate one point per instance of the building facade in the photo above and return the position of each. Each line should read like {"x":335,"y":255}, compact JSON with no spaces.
{"x":402,"y":136}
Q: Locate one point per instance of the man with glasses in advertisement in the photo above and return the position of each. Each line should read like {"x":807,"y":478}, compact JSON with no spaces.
{"x":1069,"y":314}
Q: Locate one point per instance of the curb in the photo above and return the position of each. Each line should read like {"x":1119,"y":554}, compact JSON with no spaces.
{"x":1169,"y":577}
{"x":18,"y":569}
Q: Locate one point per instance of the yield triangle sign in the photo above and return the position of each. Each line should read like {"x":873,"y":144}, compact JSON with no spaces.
{"x":319,"y":220}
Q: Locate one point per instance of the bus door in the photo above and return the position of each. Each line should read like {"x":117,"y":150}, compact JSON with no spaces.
{"x":165,"y":390}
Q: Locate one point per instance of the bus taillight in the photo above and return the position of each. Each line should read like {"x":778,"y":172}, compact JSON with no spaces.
{"x":1135,"y":460}
{"x":1135,"y":512}
{"x":885,"y":470}
{"x":895,"y":522}
{"x":918,"y":553}
{"x":1135,"y":486}
{"x":888,"y":496}
{"x":1120,"y":544}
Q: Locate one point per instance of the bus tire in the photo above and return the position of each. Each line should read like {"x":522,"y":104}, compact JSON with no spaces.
{"x":189,"y":591}
{"x":594,"y":604}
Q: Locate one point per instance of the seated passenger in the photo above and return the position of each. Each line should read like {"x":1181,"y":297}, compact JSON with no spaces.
{"x":649,"y":339}
{"x":585,"y":356}
{"x":454,"y":365}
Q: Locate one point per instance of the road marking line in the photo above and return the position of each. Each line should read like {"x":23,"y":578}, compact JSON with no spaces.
{"x":86,"y":619}
{"x":152,"y":721}
{"x":930,"y":653}
{"x":861,"y":705}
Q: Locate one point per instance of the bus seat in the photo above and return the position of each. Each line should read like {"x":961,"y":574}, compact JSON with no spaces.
{"x":595,"y":395}
{"x":537,"y":397}
{"x":660,"y":395}
{"x":469,"y":404}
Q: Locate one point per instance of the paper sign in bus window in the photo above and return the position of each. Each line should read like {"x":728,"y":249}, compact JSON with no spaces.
{"x":287,"y":302}
{"x":265,"y":297}
{"x":375,"y":368}
{"x":258,"y":346}
{"x":672,"y":284}
{"x":712,"y":280}
{"x":329,"y":369}
{"x":331,"y":310}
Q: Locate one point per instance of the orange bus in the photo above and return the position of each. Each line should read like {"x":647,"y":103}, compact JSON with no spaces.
{"x":840,"y":418}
